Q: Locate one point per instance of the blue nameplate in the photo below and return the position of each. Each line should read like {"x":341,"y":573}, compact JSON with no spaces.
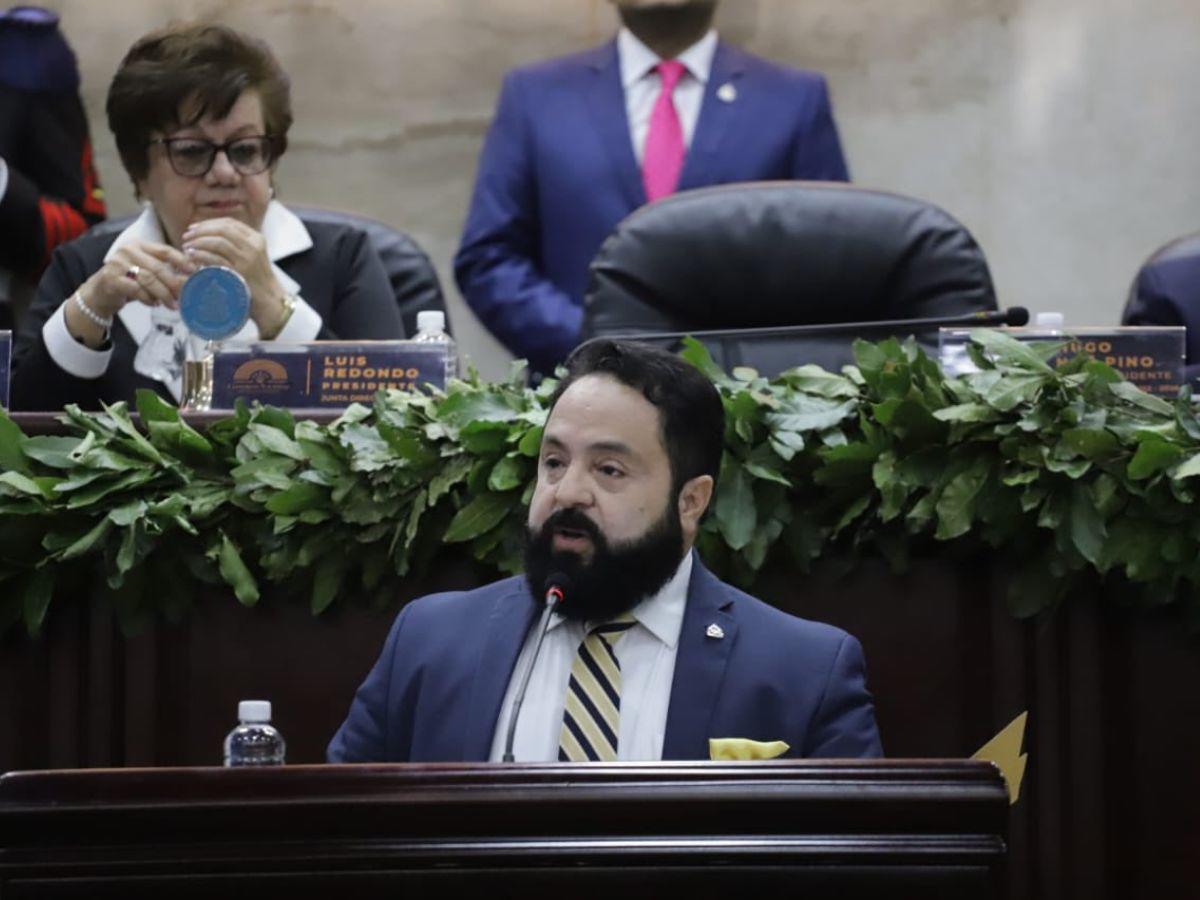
{"x":5,"y":361}
{"x":323,"y":374}
{"x":1151,"y":357}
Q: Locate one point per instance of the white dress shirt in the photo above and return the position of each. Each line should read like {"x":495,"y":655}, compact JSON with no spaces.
{"x":647,"y":656}
{"x":5,"y":275}
{"x":642,"y":85}
{"x":285,"y":235}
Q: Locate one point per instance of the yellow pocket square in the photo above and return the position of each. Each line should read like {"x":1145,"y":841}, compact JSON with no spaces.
{"x":725,"y":749}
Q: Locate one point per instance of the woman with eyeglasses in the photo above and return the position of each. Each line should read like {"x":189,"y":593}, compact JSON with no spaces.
{"x":201,"y":115}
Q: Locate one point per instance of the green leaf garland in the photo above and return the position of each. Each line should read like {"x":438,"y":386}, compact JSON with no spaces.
{"x":1068,"y":473}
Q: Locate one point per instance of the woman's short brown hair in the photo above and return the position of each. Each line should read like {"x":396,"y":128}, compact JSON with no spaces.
{"x":205,"y":67}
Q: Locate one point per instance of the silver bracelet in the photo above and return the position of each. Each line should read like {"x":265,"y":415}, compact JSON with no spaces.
{"x":91,"y":314}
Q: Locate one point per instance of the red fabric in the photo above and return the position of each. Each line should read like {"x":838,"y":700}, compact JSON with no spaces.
{"x":93,"y":196}
{"x":61,"y":223}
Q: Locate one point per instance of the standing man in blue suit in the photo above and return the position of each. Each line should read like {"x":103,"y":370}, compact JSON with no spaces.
{"x":649,"y":656}
{"x":563,"y":160}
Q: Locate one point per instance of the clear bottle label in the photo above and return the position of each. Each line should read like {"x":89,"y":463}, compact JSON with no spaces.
{"x":254,"y":745}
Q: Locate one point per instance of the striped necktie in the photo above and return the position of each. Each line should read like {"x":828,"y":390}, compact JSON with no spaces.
{"x":592,"y":717}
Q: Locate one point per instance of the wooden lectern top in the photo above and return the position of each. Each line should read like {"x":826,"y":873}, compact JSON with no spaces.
{"x":861,"y":829}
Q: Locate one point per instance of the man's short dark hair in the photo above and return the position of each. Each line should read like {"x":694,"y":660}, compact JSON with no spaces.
{"x":208,"y":67}
{"x":690,"y":413}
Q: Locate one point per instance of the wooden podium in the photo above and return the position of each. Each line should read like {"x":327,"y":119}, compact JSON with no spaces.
{"x":847,"y":829}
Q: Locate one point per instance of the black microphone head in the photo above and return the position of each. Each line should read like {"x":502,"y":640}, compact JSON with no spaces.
{"x":560,"y":580}
{"x":558,"y":585}
{"x":1016,"y":316}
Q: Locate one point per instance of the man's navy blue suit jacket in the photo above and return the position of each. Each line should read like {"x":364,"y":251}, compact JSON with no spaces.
{"x":558,"y":172}
{"x":436,"y":692}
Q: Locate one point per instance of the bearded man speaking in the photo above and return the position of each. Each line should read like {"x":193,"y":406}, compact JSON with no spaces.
{"x":617,"y":644}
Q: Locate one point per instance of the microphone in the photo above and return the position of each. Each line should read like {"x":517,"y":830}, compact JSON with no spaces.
{"x":1014,"y":316}
{"x":557,"y":586}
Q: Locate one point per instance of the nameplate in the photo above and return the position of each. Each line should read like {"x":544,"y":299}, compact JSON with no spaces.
{"x":5,"y":365}
{"x":1151,"y":357}
{"x":323,"y":374}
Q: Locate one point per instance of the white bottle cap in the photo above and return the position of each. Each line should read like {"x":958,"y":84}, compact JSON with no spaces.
{"x":433,"y":320}
{"x":254,"y":711}
{"x":1048,"y":320}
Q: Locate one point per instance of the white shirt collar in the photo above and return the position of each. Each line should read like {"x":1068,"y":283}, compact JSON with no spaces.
{"x":285,"y":233}
{"x":637,"y":60}
{"x":144,"y":228}
{"x":662,"y":614}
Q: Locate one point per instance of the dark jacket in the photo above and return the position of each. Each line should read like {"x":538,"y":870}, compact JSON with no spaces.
{"x":437,"y":690}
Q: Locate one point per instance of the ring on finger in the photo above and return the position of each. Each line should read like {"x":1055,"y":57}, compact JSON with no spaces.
{"x":133,"y":272}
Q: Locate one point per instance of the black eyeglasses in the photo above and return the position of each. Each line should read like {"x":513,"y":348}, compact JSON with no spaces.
{"x":193,"y":157}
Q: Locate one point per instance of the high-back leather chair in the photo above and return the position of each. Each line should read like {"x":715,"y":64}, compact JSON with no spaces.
{"x":412,"y":276}
{"x":1166,"y":291}
{"x":768,"y":255}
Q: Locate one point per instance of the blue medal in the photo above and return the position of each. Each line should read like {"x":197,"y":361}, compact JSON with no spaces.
{"x":215,"y":303}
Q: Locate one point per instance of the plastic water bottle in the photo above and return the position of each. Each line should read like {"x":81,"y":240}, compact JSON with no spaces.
{"x":254,"y":742}
{"x":431,"y":329}
{"x":1049,"y":322}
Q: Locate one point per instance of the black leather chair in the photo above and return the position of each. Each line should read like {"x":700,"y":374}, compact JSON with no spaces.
{"x":411,"y":273}
{"x":1166,"y":291}
{"x":770,"y":255}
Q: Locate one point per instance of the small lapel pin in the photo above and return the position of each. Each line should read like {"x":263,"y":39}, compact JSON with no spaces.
{"x":727,"y":93}
{"x":714,"y":631}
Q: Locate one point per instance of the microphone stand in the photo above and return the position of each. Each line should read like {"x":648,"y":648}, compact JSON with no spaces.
{"x":1014,"y":316}
{"x":554,"y":596}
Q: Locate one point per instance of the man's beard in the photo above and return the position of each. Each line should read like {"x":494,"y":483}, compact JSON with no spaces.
{"x":617,"y":578}
{"x":669,"y":20}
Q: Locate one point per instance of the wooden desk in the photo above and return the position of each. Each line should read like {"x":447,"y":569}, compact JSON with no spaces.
{"x":845,"y":829}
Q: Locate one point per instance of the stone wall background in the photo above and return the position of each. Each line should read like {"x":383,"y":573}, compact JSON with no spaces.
{"x":1063,"y":133}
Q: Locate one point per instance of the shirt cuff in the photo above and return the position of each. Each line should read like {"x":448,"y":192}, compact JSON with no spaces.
{"x":69,"y":354}
{"x":304,"y":324}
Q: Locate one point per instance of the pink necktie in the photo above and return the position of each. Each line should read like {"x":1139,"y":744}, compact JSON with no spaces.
{"x":662,"y":160}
